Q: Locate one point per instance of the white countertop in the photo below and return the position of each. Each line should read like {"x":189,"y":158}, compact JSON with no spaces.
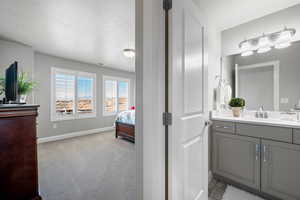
{"x":286,"y":122}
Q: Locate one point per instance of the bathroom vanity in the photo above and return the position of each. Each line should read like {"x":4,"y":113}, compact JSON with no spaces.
{"x":258,"y":155}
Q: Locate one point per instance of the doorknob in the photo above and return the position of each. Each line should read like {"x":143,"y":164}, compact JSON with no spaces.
{"x":208,"y":123}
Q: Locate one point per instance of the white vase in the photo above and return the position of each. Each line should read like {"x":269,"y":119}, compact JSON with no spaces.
{"x":236,"y":111}
{"x":22,"y":98}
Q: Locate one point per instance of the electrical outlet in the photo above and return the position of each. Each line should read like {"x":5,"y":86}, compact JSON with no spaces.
{"x":284,"y":100}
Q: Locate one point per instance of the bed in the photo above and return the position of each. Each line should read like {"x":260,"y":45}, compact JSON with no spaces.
{"x":125,"y":125}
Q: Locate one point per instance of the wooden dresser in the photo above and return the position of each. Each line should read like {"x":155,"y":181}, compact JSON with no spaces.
{"x":18,"y":153}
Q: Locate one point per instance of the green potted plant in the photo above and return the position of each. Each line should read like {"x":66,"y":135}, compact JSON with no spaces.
{"x":237,"y":104}
{"x":2,"y":85}
{"x":25,"y":86}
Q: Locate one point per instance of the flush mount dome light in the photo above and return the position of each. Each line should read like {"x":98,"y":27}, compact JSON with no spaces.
{"x":285,"y":38}
{"x":129,"y":53}
{"x":264,"y":44}
{"x":246,"y":48}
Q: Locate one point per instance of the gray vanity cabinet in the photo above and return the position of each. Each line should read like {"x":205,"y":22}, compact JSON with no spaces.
{"x":237,"y":158}
{"x":280,"y":175}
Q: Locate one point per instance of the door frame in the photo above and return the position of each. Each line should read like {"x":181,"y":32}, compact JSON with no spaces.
{"x":150,"y":95}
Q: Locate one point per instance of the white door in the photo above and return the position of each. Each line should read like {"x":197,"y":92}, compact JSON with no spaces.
{"x":188,"y":74}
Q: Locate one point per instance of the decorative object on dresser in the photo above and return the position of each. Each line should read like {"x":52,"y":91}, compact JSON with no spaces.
{"x":25,"y":87}
{"x":18,"y":152}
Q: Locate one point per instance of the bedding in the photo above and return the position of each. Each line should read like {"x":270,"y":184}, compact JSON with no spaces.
{"x":126,"y":117}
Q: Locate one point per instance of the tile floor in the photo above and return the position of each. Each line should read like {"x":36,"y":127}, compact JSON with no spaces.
{"x":216,"y":189}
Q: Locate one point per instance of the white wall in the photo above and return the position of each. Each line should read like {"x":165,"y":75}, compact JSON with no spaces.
{"x":289,"y":17}
{"x":214,"y":55}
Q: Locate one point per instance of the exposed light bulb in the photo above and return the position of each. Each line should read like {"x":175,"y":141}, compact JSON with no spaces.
{"x":246,"y":49}
{"x":264,"y":45}
{"x":284,"y":39}
{"x":129,"y":53}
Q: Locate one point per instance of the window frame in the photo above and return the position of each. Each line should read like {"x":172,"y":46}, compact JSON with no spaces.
{"x":117,"y":79}
{"x":76,"y":74}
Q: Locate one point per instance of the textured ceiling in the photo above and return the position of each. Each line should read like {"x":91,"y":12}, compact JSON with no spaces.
{"x":96,"y":31}
{"x":226,"y":14}
{"x":93,"y":31}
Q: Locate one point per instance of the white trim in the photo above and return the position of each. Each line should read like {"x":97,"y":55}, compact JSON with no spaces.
{"x":75,"y":115}
{"x":150,"y":99}
{"x":139,"y":65}
{"x":74,"y":134}
{"x":276,"y":70}
{"x":117,"y":80}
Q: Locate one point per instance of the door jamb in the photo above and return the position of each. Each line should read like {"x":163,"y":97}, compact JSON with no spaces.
{"x":150,"y":100}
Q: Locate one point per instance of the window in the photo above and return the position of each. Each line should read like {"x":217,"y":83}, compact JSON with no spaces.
{"x":73,"y":94}
{"x":116,"y":95}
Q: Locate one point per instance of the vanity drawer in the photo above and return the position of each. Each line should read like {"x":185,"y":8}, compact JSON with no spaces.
{"x":266,"y":132}
{"x":225,"y":127}
{"x":296,"y":136}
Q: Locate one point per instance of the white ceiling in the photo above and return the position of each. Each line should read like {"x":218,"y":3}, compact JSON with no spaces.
{"x":226,"y":14}
{"x":96,"y":31}
{"x":93,"y":31}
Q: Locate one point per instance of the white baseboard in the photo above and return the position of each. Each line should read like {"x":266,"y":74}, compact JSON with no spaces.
{"x":73,"y":134}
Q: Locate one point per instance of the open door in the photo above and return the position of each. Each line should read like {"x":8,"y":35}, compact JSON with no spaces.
{"x":188,"y":178}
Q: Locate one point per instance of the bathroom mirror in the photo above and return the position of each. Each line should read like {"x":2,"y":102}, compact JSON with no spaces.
{"x":270,"y":80}
{"x":261,"y":61}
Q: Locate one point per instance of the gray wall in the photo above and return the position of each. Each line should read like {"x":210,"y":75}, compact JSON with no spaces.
{"x":289,"y":75}
{"x":289,"y":17}
{"x":12,"y":51}
{"x":42,"y":71}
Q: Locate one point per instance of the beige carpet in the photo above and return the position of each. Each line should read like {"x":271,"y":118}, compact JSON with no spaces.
{"x":95,"y":167}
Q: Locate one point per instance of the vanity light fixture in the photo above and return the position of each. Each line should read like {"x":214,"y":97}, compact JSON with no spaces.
{"x":262,"y":44}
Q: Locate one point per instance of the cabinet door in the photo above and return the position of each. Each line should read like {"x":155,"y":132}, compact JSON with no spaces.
{"x":237,"y":158}
{"x":281,"y":170}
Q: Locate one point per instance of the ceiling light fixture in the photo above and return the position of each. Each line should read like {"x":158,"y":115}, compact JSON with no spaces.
{"x":129,"y":52}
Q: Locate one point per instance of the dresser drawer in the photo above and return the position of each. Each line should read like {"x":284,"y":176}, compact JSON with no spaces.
{"x":224,"y":127}
{"x":296,"y":136}
{"x":266,"y":132}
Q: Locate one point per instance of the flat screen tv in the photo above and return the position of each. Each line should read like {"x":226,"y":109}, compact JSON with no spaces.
{"x":11,"y":82}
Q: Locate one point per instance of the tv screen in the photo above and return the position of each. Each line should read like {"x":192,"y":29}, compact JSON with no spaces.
{"x":11,"y":82}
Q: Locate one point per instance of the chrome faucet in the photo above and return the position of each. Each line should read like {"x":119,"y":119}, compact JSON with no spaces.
{"x":261,"y":113}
